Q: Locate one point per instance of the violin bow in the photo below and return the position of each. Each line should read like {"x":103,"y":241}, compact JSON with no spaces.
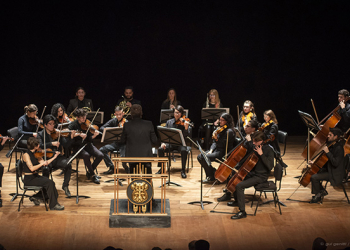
{"x":313,"y":105}
{"x":92,"y":121}
{"x":239,"y":124}
{"x":41,"y":117}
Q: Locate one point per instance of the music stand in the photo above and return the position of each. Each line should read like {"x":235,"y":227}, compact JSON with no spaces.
{"x":201,"y":200}
{"x":211,"y":114}
{"x":99,"y":117}
{"x":70,"y":160}
{"x":310,"y":124}
{"x":174,"y":137}
{"x":167,"y":114}
{"x":112,"y":134}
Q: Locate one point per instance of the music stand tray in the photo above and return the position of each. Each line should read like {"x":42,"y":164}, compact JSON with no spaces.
{"x":213,"y":113}
{"x":174,"y":137}
{"x":112,"y":134}
{"x":99,"y":117}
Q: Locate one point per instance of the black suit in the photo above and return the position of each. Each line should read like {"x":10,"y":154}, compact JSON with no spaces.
{"x":270,"y":130}
{"x":334,"y":171}
{"x":344,"y":123}
{"x":138,"y":135}
{"x":73,"y":103}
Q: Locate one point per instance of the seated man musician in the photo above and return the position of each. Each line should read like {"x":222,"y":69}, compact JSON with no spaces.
{"x":334,"y":170}
{"x":178,"y":123}
{"x":118,"y":121}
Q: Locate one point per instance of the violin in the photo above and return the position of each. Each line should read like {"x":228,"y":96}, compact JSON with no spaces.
{"x":247,"y":118}
{"x":246,"y":167}
{"x":55,"y":134}
{"x":318,"y":162}
{"x":40,"y":153}
{"x":321,"y":137}
{"x":36,"y":121}
{"x":121,"y":123}
{"x":8,"y":138}
{"x":217,"y":131}
{"x":265,"y":125}
{"x":65,"y":119}
{"x":87,"y":125}
{"x":182,"y":121}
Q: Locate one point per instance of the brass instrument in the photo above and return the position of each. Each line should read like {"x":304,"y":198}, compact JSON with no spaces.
{"x":125,"y":108}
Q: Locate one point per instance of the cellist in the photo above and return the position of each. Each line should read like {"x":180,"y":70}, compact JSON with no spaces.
{"x":259,"y":173}
{"x":344,"y":110}
{"x":334,"y":169}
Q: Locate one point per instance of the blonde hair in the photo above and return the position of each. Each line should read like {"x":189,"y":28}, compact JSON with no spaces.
{"x":272,"y":115}
{"x":217,"y":99}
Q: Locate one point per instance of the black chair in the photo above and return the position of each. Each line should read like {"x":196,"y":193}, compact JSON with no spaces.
{"x":19,"y":176}
{"x":270,"y":187}
{"x":326,"y":193}
{"x":282,"y":139}
{"x":13,"y":132}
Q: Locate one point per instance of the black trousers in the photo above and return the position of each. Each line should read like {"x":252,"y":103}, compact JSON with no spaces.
{"x":316,"y":181}
{"x":59,"y":163}
{"x":246,"y":183}
{"x":181,"y":149}
{"x":209,"y":170}
{"x":86,"y":153}
{"x":110,"y":148}
{"x":42,"y":181}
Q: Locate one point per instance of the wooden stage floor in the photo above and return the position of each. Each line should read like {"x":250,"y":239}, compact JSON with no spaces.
{"x":85,"y":225}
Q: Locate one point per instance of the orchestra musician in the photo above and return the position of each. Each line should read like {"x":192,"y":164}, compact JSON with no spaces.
{"x":31,"y":165}
{"x":118,"y":121}
{"x":270,"y":128}
{"x":259,"y":173}
{"x":79,"y":101}
{"x":344,"y":110}
{"x":25,"y":126}
{"x":249,"y":130}
{"x":334,"y":170}
{"x":177,"y":122}
{"x":222,"y":143}
{"x":171,"y":101}
{"x":213,"y":100}
{"x":3,"y":141}
{"x":60,"y":162}
{"x":138,"y":135}
{"x":246,"y":115}
{"x":129,"y":97}
{"x":59,"y":112}
{"x":79,"y":139}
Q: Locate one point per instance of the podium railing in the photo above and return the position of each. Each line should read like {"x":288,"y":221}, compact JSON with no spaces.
{"x":139,"y":175}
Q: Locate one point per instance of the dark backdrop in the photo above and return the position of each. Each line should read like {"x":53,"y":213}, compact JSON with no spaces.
{"x":278,"y":54}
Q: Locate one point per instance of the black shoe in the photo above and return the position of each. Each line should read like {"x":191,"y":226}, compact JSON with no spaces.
{"x":316,"y":198}
{"x":66,"y":191}
{"x":35,"y":201}
{"x":95,"y":179}
{"x":159,"y":171}
{"x":99,"y":177}
{"x":88,"y":175}
{"x":126,"y":168}
{"x":324,"y":192}
{"x":58,"y":207}
{"x":209,"y":180}
{"x":226,"y":197}
{"x":109,"y":171}
{"x":232,"y":204}
{"x":239,"y":215}
{"x":183,"y":174}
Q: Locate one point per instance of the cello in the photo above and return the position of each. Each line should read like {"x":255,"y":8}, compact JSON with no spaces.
{"x":246,"y":167}
{"x":321,"y":137}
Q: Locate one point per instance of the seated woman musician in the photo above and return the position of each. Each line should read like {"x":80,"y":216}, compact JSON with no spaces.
{"x":117,"y":121}
{"x":171,"y":101}
{"x":213,"y":101}
{"x":334,"y":170}
{"x":79,"y":101}
{"x":179,"y":123}
{"x":270,"y":129}
{"x":223,"y":142}
{"x":247,"y":114}
{"x":61,"y":119}
{"x":31,"y":165}
{"x":79,"y":139}
{"x":27,"y":125}
{"x":61,"y":160}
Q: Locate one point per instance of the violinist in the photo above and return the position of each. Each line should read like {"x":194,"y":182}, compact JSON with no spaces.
{"x":129,"y":97}
{"x":270,"y":128}
{"x":179,"y":123}
{"x":26,"y":124}
{"x":79,"y":101}
{"x":344,"y":110}
{"x":223,"y":142}
{"x":246,"y":115}
{"x":79,"y":139}
{"x":118,"y":121}
{"x":59,"y":112}
{"x":171,"y":101}
{"x":31,"y":165}
{"x":60,"y":162}
{"x":334,"y":170}
{"x":259,"y":173}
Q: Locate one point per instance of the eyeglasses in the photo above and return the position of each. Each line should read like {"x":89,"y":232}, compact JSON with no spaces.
{"x":248,"y":126}
{"x":211,"y":95}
